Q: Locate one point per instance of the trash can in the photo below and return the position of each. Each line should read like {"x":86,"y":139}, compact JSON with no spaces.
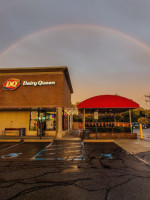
{"x":22,"y":132}
{"x":86,"y":133}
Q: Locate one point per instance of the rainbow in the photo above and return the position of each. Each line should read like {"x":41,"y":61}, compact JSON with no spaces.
{"x":62,"y":27}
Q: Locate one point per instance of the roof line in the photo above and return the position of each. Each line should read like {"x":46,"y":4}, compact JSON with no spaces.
{"x":63,"y":69}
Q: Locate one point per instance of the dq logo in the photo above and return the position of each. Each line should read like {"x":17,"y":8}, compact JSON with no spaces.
{"x":11,"y":84}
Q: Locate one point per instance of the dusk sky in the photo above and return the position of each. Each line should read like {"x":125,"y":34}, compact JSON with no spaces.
{"x":104,"y":43}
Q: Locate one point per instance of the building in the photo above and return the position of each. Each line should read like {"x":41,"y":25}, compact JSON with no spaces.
{"x":33,"y":100}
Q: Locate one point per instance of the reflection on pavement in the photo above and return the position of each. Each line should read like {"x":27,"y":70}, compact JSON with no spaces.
{"x":62,"y":150}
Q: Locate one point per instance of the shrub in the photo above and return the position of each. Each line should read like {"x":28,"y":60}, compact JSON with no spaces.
{"x":110,"y":129}
{"x":127,"y":130}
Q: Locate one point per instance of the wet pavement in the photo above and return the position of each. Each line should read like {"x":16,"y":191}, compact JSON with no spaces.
{"x":6,"y":145}
{"x":20,"y":151}
{"x":62,"y":150}
{"x":72,"y":170}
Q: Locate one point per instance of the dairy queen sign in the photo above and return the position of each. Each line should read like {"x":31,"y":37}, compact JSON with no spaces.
{"x":13,"y":84}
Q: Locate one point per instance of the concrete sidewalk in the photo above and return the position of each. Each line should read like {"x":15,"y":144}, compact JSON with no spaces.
{"x":139,"y":148}
{"x":133,"y":146}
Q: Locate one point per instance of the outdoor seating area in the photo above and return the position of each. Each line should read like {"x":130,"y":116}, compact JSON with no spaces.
{"x":107,"y":130}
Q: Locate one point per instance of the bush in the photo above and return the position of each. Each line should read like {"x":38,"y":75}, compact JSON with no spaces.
{"x":127,"y":129}
{"x":116,"y":129}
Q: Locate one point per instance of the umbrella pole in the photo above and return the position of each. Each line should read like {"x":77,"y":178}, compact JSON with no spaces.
{"x":84,"y":119}
{"x":115,"y":119}
{"x":130,"y":119}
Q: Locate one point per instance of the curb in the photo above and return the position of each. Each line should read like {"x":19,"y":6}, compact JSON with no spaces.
{"x":10,"y":140}
{"x":97,"y":140}
{"x":38,"y":140}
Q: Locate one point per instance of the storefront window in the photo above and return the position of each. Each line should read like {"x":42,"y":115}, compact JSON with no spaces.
{"x":48,"y":118}
{"x":33,"y":120}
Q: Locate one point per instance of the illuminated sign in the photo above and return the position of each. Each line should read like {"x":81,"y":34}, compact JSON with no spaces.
{"x":11,"y":84}
{"x":39,"y":83}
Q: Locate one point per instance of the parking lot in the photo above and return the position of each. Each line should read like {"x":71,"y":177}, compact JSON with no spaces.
{"x":65,"y":170}
{"x":20,"y":151}
{"x":146,"y":133}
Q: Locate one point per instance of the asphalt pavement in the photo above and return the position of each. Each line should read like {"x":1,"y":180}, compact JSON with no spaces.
{"x":71,"y":170}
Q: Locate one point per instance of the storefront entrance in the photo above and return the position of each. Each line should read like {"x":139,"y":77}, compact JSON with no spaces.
{"x":42,"y":121}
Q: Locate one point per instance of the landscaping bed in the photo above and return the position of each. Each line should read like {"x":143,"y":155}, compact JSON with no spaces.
{"x":113,"y":136}
{"x":116,"y":129}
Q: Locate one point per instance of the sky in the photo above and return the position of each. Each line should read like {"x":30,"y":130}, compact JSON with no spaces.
{"x":104,"y":43}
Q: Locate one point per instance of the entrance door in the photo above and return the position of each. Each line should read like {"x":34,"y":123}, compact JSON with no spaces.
{"x":41,"y":126}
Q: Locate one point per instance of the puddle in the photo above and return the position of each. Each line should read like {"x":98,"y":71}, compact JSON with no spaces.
{"x":11,"y":155}
{"x":106,"y":156}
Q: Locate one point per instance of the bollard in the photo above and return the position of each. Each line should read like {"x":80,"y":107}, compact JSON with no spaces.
{"x":141,"y":131}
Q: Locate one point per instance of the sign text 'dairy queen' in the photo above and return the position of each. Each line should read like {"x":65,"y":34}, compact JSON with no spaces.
{"x":38,"y":83}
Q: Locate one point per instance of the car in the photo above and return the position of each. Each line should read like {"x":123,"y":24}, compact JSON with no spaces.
{"x":136,"y":125}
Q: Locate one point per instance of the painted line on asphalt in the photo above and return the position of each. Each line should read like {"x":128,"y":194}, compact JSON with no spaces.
{"x":48,"y":145}
{"x":141,"y":160}
{"x":38,"y":154}
{"x":33,"y":158}
{"x":10,"y":147}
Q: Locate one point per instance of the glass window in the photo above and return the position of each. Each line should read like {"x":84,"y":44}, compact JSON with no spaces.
{"x":47,"y":117}
{"x":33,"y":120}
{"x":34,"y":115}
{"x":33,"y":125}
{"x":50,"y":120}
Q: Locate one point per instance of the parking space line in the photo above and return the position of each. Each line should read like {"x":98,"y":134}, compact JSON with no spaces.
{"x":41,"y":151}
{"x":11,"y":147}
{"x":49,"y":147}
{"x":144,"y":161}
